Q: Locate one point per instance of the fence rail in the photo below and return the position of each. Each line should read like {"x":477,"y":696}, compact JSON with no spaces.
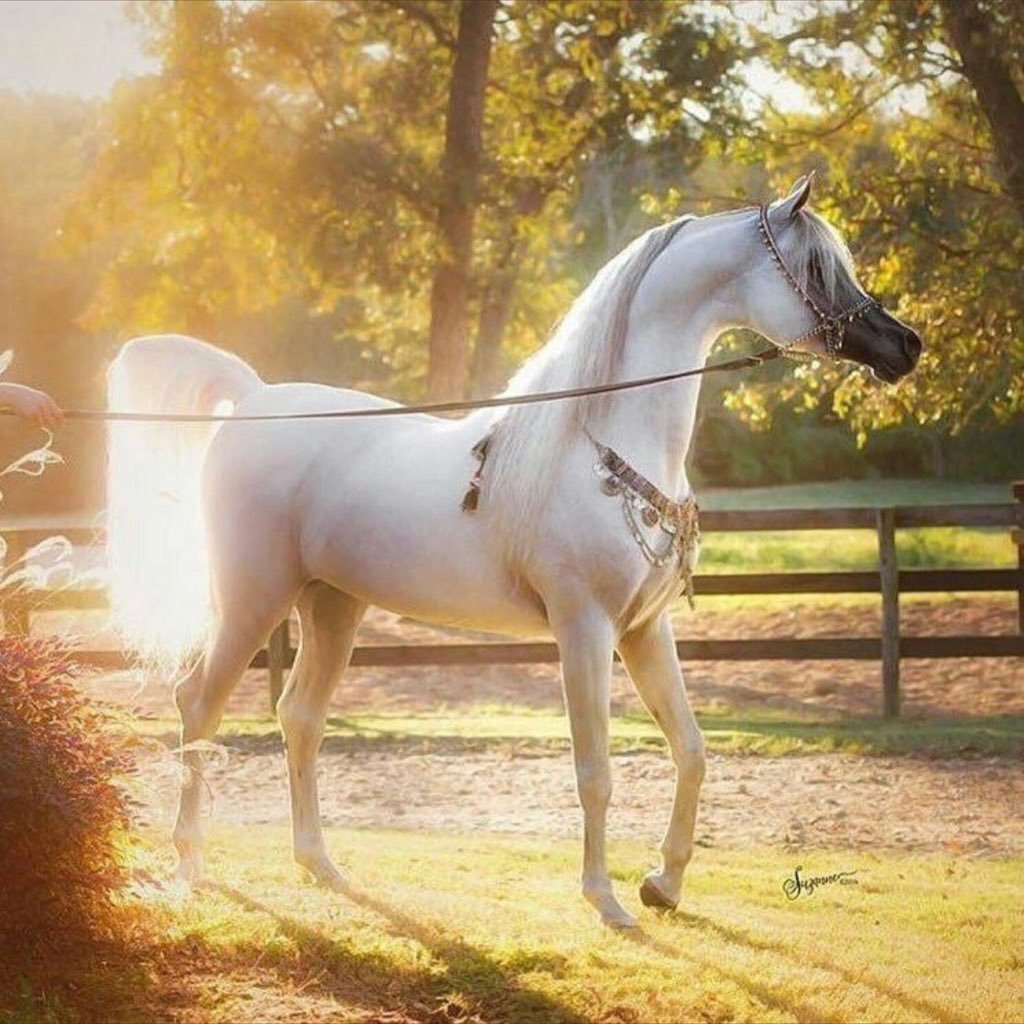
{"x":889,"y":581}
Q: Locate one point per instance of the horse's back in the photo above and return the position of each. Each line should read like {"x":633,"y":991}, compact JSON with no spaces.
{"x":371,"y":505}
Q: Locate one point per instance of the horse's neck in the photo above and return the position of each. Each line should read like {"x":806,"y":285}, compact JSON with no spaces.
{"x":652,"y":427}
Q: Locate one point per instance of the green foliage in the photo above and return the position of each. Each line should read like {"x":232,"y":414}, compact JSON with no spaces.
{"x":293,"y":150}
{"x":909,"y":169}
{"x":47,"y":144}
{"x":275,"y":188}
{"x":793,"y":444}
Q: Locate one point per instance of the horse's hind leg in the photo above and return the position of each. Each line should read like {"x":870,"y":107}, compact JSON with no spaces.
{"x":247,"y":612}
{"x":649,"y":653}
{"x":328,"y":620}
{"x":200,"y":697}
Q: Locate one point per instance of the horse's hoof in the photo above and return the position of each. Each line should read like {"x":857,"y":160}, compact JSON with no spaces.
{"x":623,"y":922}
{"x":613,"y":913}
{"x":325,"y":875}
{"x":652,"y":896}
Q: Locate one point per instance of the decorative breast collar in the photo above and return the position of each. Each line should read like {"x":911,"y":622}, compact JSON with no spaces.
{"x":644,"y":503}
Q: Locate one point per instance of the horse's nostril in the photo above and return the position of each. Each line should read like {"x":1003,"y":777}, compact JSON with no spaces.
{"x":912,"y":345}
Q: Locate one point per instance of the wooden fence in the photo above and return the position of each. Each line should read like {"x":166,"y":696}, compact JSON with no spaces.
{"x":888,"y":581}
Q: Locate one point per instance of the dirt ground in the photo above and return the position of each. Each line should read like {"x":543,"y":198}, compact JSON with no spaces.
{"x":970,"y":807}
{"x":960,"y":807}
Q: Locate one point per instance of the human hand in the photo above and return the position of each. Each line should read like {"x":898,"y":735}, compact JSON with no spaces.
{"x":35,"y":406}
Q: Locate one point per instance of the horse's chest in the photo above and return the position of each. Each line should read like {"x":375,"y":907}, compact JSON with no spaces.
{"x":659,"y":587}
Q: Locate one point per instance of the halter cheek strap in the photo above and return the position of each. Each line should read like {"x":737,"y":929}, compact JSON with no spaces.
{"x":831,"y":326}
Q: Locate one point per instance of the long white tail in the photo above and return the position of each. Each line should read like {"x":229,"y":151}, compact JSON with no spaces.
{"x":156,"y":549}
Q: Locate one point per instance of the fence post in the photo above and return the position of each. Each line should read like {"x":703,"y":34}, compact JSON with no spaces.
{"x":277,"y":658}
{"x":15,"y":610}
{"x":889,"y":572}
{"x":1017,"y":535}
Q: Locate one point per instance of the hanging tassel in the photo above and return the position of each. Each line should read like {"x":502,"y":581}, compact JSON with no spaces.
{"x":472,"y":498}
{"x":471,"y":501}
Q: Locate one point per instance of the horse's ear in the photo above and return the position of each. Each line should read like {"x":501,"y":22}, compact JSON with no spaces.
{"x":788,"y":208}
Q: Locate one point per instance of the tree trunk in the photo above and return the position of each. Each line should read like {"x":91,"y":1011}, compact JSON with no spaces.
{"x":496,"y":308}
{"x":495,"y":312}
{"x":985,"y":68}
{"x":460,"y":173}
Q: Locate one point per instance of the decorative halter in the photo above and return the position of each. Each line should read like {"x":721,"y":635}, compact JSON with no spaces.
{"x":832,"y":326}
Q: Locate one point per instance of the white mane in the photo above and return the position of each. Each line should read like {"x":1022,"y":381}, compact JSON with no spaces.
{"x":820,"y":259}
{"x":586,"y":349}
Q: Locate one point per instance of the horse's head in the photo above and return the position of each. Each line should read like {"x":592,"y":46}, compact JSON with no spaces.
{"x":802,"y":293}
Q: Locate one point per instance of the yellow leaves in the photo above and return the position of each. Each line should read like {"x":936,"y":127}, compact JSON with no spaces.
{"x":751,"y":405}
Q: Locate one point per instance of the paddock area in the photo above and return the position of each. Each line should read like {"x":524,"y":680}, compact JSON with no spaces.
{"x":450,"y":804}
{"x":847,"y":865}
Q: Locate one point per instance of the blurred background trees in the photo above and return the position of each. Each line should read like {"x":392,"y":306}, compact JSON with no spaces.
{"x":405,"y":195}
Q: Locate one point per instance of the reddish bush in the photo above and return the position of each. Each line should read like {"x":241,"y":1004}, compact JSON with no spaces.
{"x":62,"y":813}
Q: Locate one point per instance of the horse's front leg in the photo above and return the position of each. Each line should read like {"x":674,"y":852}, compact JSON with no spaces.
{"x":649,"y":653}
{"x":585,"y":644}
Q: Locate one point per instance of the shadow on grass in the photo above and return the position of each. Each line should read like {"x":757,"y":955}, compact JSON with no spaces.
{"x":912,"y":1005}
{"x":130,"y":980}
{"x":992,"y":736}
{"x":463,"y":983}
{"x":315,"y":977}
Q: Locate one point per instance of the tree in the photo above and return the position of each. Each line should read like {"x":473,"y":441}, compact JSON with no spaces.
{"x":291,"y":152}
{"x":913,"y":173}
{"x":460,"y":176}
{"x":983,"y":34}
{"x":48,"y":142}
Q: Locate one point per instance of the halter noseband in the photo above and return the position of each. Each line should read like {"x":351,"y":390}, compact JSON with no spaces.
{"x":832,"y":326}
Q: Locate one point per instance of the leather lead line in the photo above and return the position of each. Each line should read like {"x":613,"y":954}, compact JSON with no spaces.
{"x":742,"y":363}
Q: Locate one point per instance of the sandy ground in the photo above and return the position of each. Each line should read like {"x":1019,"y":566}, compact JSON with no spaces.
{"x":958,"y":807}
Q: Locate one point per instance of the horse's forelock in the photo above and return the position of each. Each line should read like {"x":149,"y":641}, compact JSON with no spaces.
{"x":817,"y":245}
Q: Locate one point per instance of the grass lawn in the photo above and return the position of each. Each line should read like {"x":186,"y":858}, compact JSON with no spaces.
{"x":824,"y":550}
{"x":936,"y":547}
{"x":854,"y":494}
{"x":764,"y":731}
{"x":482,"y":928}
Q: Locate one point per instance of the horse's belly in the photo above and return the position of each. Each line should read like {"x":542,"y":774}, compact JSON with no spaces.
{"x":432,"y":590}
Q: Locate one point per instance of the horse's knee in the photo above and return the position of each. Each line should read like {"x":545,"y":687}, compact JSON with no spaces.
{"x":694,"y":764}
{"x":690,"y":759}
{"x":594,"y":785}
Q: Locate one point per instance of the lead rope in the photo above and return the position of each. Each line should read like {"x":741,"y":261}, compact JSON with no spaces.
{"x":471,"y":499}
{"x":499,"y":402}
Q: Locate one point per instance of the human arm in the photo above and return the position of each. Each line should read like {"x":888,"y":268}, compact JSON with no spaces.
{"x":36,"y":406}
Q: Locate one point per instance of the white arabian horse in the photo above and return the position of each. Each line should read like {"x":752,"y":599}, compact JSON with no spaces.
{"x":218,"y":531}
